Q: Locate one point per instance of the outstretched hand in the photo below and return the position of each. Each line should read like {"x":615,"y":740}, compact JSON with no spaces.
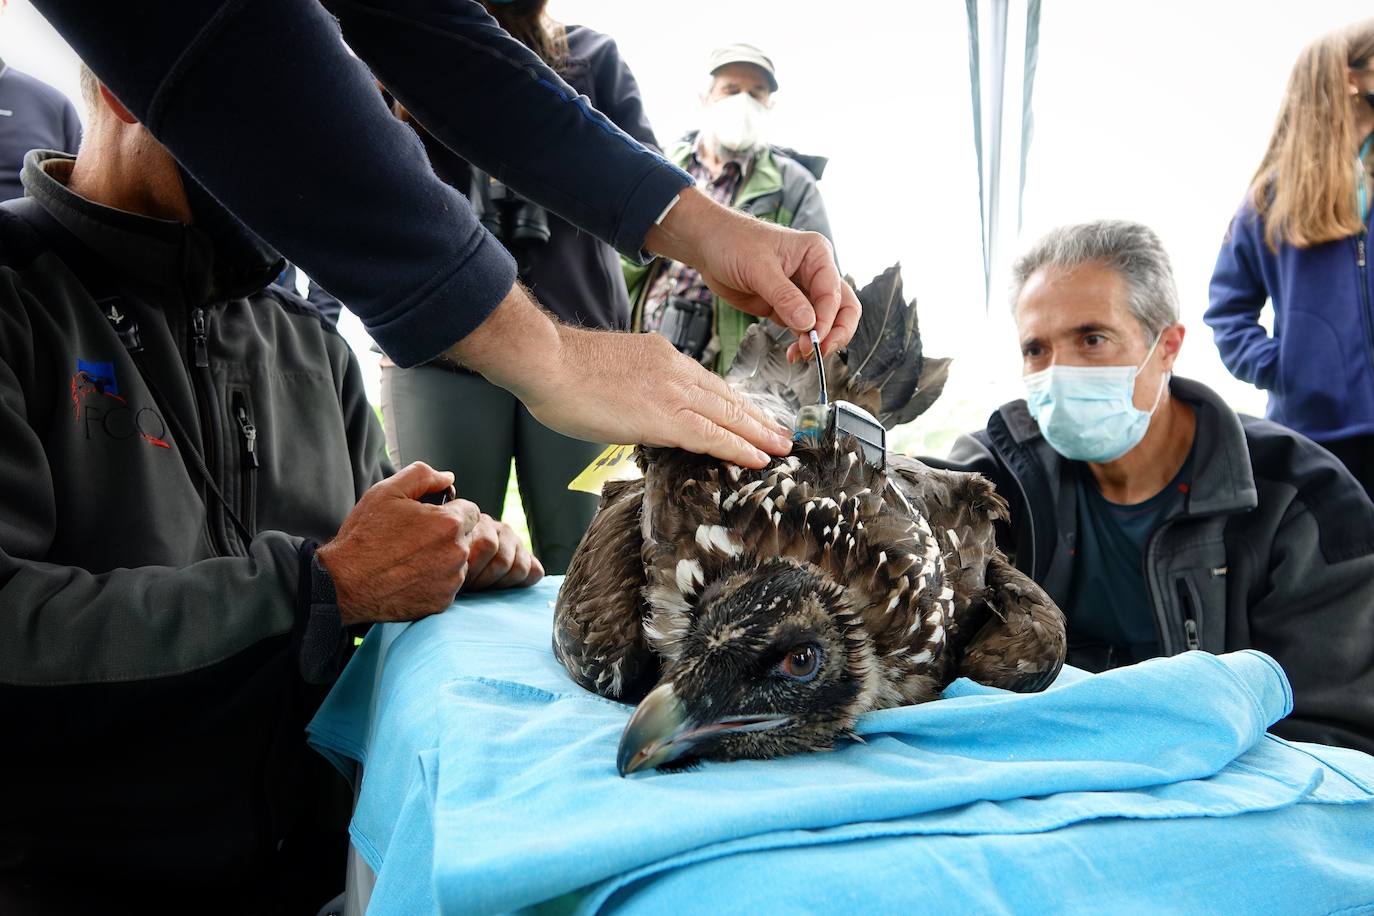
{"x":761,"y":268}
{"x":635,"y":388}
{"x":638,"y":388}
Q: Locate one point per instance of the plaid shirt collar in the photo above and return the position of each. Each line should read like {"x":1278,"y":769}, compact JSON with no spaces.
{"x":742,"y":160}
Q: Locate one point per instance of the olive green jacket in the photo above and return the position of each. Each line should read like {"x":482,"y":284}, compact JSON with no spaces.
{"x":779,"y":189}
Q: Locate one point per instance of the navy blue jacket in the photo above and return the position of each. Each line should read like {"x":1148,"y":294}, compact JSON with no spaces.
{"x":1318,"y":366}
{"x":356,"y":204}
{"x":33,"y":115}
{"x":574,"y":275}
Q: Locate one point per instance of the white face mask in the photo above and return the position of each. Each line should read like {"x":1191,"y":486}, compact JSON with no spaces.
{"x":736,"y":122}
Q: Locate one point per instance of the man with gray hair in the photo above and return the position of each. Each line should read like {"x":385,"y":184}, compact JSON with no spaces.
{"x":1158,"y":518}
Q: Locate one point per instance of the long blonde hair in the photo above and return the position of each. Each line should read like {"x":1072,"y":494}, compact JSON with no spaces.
{"x":1305,"y":187}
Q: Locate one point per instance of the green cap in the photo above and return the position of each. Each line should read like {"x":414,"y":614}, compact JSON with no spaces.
{"x":744,"y":54}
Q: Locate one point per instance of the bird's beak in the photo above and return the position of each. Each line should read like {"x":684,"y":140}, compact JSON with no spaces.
{"x":661,"y":731}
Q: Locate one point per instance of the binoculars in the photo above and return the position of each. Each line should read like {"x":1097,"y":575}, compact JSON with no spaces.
{"x":507,"y":215}
{"x":687,"y":324}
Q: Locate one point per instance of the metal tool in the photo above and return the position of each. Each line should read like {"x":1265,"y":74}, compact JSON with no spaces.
{"x":439,"y":497}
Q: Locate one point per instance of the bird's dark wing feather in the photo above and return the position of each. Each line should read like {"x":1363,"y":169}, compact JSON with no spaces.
{"x":885,"y":352}
{"x":685,"y":544}
{"x":934,"y":374}
{"x":1007,"y":632}
{"x":1022,"y":645}
{"x":761,"y":371}
{"x":598,"y":632}
{"x":962,"y":509}
{"x":883,"y":369}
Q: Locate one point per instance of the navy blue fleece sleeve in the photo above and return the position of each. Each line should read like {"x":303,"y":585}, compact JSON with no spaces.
{"x":1237,"y":295}
{"x":488,"y":98}
{"x":342,"y":188}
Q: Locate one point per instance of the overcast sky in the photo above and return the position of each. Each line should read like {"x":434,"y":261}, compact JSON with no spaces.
{"x":1156,"y":112}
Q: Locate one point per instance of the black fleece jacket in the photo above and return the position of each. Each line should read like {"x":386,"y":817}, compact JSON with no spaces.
{"x":1273,"y":549}
{"x":151,"y":694}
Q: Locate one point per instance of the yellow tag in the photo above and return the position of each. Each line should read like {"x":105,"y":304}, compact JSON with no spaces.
{"x":615,"y":463}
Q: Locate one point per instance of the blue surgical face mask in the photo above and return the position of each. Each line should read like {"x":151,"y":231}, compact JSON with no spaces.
{"x":1087,"y":413}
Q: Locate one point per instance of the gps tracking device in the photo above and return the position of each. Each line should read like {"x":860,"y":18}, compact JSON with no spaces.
{"x":841,"y":418}
{"x":848,"y":419}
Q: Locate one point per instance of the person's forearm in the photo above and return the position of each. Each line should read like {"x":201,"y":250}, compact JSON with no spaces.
{"x":1243,"y":344}
{"x":1247,"y":351}
{"x":517,"y":344}
{"x":679,"y":236}
{"x":608,"y":386}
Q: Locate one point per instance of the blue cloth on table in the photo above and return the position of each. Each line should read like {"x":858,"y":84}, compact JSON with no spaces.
{"x":490,"y":786}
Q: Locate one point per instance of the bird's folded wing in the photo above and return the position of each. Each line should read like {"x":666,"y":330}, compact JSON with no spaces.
{"x":598,"y":632}
{"x":1022,"y":645}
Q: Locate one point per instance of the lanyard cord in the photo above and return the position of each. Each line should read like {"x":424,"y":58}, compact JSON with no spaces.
{"x":189,"y":453}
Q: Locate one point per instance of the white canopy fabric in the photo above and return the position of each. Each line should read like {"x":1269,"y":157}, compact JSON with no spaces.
{"x":988,"y":65}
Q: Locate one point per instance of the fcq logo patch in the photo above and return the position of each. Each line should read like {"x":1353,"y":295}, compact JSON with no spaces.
{"x":97,"y":401}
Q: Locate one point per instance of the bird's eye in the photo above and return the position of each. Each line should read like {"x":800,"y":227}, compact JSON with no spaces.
{"x":801,"y":663}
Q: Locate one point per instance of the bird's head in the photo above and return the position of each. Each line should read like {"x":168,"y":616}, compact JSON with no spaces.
{"x":773,"y":662}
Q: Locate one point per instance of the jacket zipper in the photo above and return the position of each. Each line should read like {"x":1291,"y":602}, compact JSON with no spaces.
{"x":1191,"y":633}
{"x":248,"y":440}
{"x":1189,"y":614}
{"x":1362,"y":263}
{"x":200,"y":339}
{"x":205,"y":400}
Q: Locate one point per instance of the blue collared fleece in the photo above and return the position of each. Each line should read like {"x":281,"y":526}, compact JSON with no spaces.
{"x":1318,"y":365}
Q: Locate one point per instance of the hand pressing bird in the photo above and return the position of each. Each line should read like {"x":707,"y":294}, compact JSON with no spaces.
{"x":759,"y":613}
